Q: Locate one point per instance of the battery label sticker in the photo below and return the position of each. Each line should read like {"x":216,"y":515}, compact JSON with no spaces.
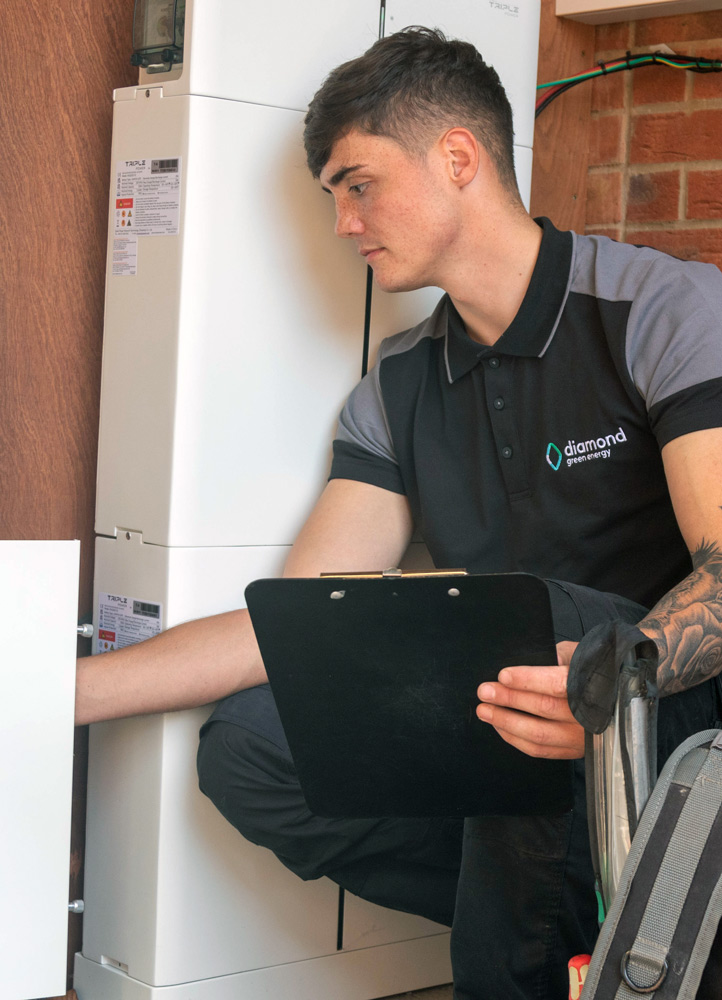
{"x":123,"y":621}
{"x":125,"y":256}
{"x":147,"y":197}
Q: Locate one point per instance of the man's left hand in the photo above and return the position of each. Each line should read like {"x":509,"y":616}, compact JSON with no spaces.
{"x":528,"y":707}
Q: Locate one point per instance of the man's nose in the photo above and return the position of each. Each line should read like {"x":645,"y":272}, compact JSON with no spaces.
{"x":348,"y":223}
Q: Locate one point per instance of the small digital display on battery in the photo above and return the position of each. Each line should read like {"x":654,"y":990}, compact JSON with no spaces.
{"x":164,"y":166}
{"x":149,"y":610}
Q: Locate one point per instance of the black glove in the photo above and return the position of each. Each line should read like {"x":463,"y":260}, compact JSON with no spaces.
{"x":593,"y":681}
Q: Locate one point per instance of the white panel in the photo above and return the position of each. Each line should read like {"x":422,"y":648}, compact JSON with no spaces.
{"x":349,"y":975}
{"x":282,"y":56}
{"x":223,"y":392}
{"x":523,"y":159}
{"x":173,"y":893}
{"x":275,"y":54}
{"x":38,"y":616}
{"x":506,"y":33}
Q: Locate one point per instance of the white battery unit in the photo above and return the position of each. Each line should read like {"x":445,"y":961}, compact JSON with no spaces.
{"x":229,"y":349}
{"x":173,"y":894}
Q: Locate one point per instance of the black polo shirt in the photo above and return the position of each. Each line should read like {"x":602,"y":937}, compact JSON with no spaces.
{"x":542,"y":453}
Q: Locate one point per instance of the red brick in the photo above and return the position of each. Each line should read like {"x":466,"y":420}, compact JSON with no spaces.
{"x":689,"y":244}
{"x":613,"y":232}
{"x":666,"y":138}
{"x":704,"y":194}
{"x":653,"y":197}
{"x":707,"y":84}
{"x":679,"y":28}
{"x":613,"y":36}
{"x":604,"y":198}
{"x":605,"y":140}
{"x":657,"y":85}
{"x":608,"y":92}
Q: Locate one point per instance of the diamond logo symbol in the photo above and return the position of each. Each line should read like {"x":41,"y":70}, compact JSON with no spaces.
{"x":554,"y":456}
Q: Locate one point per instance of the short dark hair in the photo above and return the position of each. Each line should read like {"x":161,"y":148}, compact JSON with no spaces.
{"x":410,"y":87}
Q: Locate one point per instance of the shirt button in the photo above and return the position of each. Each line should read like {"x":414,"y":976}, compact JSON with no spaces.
{"x":507,"y":452}
{"x":494,"y":362}
{"x":498,"y":403}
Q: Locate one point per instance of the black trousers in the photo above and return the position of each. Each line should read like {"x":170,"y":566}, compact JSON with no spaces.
{"x":518,"y":890}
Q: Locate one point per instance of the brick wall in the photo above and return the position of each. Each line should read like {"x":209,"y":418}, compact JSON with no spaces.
{"x":655,"y":156}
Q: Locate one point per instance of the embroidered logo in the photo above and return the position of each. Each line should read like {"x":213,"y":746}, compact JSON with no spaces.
{"x":584,"y":451}
{"x":554,"y":456}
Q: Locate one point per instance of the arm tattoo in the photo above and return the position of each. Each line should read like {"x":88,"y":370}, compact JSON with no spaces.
{"x":687,"y":624}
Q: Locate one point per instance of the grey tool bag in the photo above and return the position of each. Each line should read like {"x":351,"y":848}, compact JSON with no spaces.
{"x":657,"y":936}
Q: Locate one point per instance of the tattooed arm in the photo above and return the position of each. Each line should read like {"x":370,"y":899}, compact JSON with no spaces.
{"x":687,"y":623}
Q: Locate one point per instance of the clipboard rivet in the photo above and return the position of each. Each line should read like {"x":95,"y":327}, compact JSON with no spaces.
{"x":336,"y":595}
{"x":454,"y":592}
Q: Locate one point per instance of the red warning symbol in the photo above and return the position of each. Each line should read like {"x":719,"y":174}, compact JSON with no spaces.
{"x":123,"y":202}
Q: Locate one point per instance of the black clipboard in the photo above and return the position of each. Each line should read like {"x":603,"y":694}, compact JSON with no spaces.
{"x":375,"y":681}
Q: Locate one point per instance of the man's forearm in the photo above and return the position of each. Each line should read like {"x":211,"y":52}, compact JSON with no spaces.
{"x":687,"y":625}
{"x":186,"y":666}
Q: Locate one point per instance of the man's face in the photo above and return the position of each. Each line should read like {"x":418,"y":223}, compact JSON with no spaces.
{"x":394,"y":206}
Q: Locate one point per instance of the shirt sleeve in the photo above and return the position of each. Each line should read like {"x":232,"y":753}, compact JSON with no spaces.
{"x":674,"y":347}
{"x":363,"y":449}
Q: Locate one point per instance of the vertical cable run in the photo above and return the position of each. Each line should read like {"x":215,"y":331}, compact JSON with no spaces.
{"x":382,"y":19}
{"x":339,"y":926}
{"x":367,"y":321}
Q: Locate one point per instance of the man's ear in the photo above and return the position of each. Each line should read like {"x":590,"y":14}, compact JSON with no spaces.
{"x":460,"y":149}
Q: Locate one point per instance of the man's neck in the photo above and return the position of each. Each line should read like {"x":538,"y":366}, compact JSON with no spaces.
{"x":489,"y":287}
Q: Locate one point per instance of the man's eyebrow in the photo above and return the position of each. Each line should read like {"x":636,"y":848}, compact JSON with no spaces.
{"x":340,"y":174}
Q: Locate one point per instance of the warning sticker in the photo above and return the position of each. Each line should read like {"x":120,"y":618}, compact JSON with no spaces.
{"x":125,"y":255}
{"x":123,"y":621}
{"x":147,"y":197}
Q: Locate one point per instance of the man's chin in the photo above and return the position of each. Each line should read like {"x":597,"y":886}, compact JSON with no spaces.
{"x":391,"y":283}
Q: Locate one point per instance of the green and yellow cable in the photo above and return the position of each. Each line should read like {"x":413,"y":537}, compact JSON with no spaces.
{"x":693,"y":64}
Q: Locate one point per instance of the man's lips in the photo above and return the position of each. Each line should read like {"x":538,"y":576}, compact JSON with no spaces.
{"x":370,"y":253}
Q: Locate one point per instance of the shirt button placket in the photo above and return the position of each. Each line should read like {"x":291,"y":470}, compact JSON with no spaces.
{"x":498,"y":387}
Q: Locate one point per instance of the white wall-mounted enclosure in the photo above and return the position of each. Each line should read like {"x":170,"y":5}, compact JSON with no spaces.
{"x":38,"y":615}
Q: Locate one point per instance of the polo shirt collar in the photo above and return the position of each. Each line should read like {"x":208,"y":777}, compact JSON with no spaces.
{"x":532,"y":329}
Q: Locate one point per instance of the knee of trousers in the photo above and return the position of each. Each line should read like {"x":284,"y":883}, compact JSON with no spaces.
{"x":251,"y":781}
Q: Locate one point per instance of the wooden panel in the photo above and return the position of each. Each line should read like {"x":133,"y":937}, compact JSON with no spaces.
{"x":60,"y":63}
{"x":561,"y":136}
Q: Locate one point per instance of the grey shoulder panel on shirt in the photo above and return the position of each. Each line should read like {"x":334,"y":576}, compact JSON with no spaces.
{"x":363,"y":421}
{"x":674,"y":331}
{"x":433,"y":326}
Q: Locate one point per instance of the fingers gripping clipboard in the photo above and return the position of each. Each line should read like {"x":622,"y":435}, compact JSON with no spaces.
{"x":375,"y":680}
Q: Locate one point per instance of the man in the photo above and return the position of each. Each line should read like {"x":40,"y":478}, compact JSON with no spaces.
{"x":560,"y":413}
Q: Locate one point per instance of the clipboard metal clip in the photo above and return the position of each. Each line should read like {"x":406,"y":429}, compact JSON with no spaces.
{"x":393,"y":573}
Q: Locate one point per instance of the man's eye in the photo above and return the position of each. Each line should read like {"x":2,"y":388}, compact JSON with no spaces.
{"x":357,"y":188}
